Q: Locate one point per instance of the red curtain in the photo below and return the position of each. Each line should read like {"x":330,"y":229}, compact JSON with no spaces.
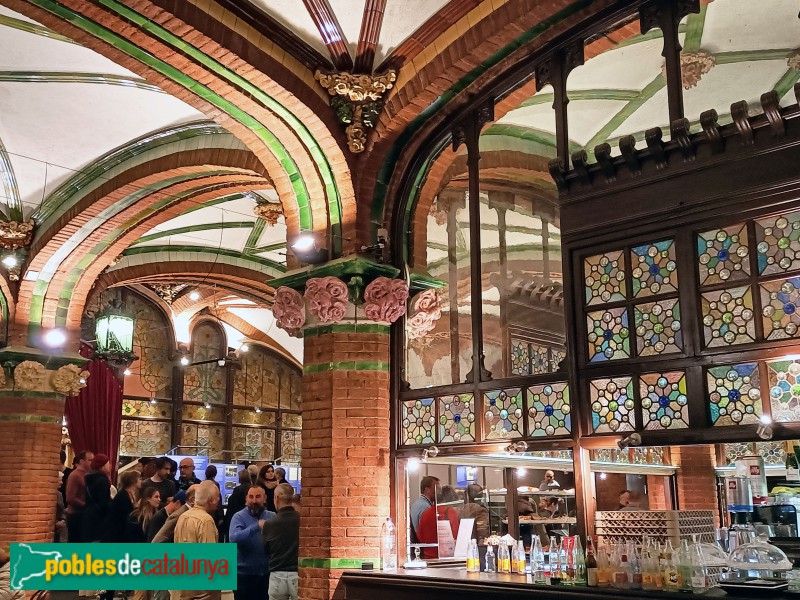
{"x":94,"y":417}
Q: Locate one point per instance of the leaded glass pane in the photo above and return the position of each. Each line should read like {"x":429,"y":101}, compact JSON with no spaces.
{"x":728,"y":317}
{"x":540,"y":359}
{"x":520,"y":357}
{"x":773,"y":453}
{"x":418,"y":421}
{"x":206,"y":383}
{"x":151,"y":373}
{"x":654,"y":269}
{"x":549,"y":412}
{"x":604,"y":278}
{"x":736,"y":450}
{"x":780,"y":301}
{"x":503,"y":413}
{"x":556,"y":356}
{"x":734,"y":395}
{"x":784,"y":390}
{"x":243,"y":416}
{"x":608,"y":334}
{"x":723,"y":254}
{"x":778,"y":243}
{"x":146,"y":409}
{"x":456,"y":418}
{"x":291,"y":421}
{"x":145,"y":438}
{"x":192,"y":412}
{"x":658,"y":327}
{"x":291,"y":446}
{"x":254,"y":443}
{"x":256,"y":382}
{"x":208,"y":439}
{"x":612,"y":404}
{"x":664,"y":403}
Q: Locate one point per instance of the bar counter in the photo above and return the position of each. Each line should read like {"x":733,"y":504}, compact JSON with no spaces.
{"x":457,"y":584}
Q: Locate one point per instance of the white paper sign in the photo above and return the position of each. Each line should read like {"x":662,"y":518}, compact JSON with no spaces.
{"x":464,"y":536}
{"x":446,"y":542}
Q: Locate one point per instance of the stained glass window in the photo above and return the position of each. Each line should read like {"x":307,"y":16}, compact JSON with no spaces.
{"x":556,"y":357}
{"x":549,"y":412}
{"x":608,"y":334}
{"x":604,"y":278}
{"x":206,"y":383}
{"x":520,"y":357}
{"x":723,"y":254}
{"x":773,"y":453}
{"x":256,"y":382}
{"x":658,"y":327}
{"x":291,"y":420}
{"x":653,"y":268}
{"x":736,"y":450}
{"x":503,"y":413}
{"x":144,"y":438}
{"x":254,"y":443}
{"x":419,"y":421}
{"x":247,"y":416}
{"x":193,"y":412}
{"x":728,"y":317}
{"x":457,"y":418}
{"x":734,"y":395}
{"x":612,"y":404}
{"x":664,"y":403}
{"x":151,"y":374}
{"x":291,"y":388}
{"x":540,"y":359}
{"x":780,"y":302}
{"x":209,"y":439}
{"x":146,"y":409}
{"x":784,"y":390}
{"x":291,"y":446}
{"x":778,"y":243}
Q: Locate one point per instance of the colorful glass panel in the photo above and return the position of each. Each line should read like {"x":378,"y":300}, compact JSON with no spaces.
{"x":291,"y":388}
{"x":608,"y":334}
{"x":520,"y":357}
{"x":736,"y":450}
{"x":145,"y":438}
{"x":664,"y":400}
{"x":502,"y":413}
{"x":291,"y":421}
{"x":146,"y":409}
{"x":193,"y":412}
{"x":783,"y":377}
{"x":208,"y":439}
{"x":253,"y":443}
{"x":654,"y":269}
{"x":540,"y":359}
{"x":773,"y":453}
{"x":418,"y":421}
{"x":206,"y":383}
{"x":658,"y":327}
{"x":457,"y":418}
{"x":780,"y":307}
{"x":778,"y":243}
{"x":728,"y":317}
{"x":604,"y":278}
{"x":556,"y":357}
{"x":291,"y":446}
{"x":612,"y":404}
{"x":256,"y":382}
{"x":734,"y":395}
{"x":723,"y":254}
{"x":151,"y":373}
{"x":549,"y":412}
{"x":242,"y":416}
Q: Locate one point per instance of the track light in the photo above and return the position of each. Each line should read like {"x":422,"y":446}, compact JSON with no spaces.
{"x":764,"y":429}
{"x":305,"y":248}
{"x":516,"y":447}
{"x":430,"y":452}
{"x":633,"y":439}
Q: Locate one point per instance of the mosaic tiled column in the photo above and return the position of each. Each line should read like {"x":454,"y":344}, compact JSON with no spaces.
{"x":346,"y":431}
{"x":31,"y":409}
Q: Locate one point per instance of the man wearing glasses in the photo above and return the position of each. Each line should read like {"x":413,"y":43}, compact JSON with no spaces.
{"x":187,"y":477}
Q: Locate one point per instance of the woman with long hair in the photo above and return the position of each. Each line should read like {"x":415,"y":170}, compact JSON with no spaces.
{"x":145,"y":509}
{"x":121,"y":507}
{"x":268,"y":481}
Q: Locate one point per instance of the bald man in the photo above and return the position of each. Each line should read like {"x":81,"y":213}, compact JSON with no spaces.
{"x":187,"y":477}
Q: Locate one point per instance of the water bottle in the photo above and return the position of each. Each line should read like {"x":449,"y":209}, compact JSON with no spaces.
{"x":491,"y":564}
{"x":388,"y":546}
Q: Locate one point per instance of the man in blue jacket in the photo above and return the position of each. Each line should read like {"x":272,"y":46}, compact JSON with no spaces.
{"x":252,"y":575}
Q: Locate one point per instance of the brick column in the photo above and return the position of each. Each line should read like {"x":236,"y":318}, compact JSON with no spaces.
{"x":345,"y":455}
{"x":30,"y":440}
{"x":697,"y":480}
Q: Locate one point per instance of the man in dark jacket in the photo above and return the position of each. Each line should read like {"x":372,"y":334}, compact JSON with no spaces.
{"x":281,"y":542}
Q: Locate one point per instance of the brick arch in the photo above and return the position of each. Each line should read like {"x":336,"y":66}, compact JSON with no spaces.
{"x":307,"y":140}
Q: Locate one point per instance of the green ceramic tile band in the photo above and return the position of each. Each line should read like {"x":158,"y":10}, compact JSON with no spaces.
{"x":347,"y":365}
{"x":346,"y":328}
{"x":337,"y":563}
{"x":9,"y":183}
{"x":33,"y":28}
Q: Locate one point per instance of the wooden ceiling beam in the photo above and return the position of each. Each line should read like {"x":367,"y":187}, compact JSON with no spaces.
{"x":368,"y":37}
{"x":332,"y":34}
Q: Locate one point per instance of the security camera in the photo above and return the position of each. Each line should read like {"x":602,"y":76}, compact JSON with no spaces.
{"x":633,"y":439}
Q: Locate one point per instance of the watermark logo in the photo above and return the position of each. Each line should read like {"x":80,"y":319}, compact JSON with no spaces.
{"x":123,"y":566}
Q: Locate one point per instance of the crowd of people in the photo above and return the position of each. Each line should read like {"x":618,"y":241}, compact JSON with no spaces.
{"x":160,"y":501}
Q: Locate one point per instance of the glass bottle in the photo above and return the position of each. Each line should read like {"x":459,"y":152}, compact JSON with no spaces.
{"x":684,"y":567}
{"x":635,"y":561}
{"x":670,"y":568}
{"x":490,"y":566}
{"x":473,"y":558}
{"x":521,"y":568}
{"x":578,"y":561}
{"x":603,"y":567}
{"x":700,"y":575}
{"x":591,"y":565}
{"x":553,"y":559}
{"x":537,"y":561}
{"x":388,"y":546}
{"x":648,"y":566}
{"x":503,"y":558}
{"x":566,"y":566}
{"x":620,"y":568}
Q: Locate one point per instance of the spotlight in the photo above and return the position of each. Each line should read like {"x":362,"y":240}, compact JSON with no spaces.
{"x":127,"y":372}
{"x":258,"y":410}
{"x":207,"y":405}
{"x":516,"y":447}
{"x":185,"y":361}
{"x":10,"y":261}
{"x":430,"y":452}
{"x":633,"y":439}
{"x":221,"y":362}
{"x":153,"y":401}
{"x":55,"y":338}
{"x":194,"y":296}
{"x":304,"y":243}
{"x":306,"y":250}
{"x":413,"y":465}
{"x":764,"y":429}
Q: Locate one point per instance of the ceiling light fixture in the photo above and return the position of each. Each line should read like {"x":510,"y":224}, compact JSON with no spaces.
{"x":127,"y":372}
{"x":307,"y":251}
{"x":194,"y":296}
{"x":55,"y":338}
{"x":185,"y":361}
{"x":429,"y":452}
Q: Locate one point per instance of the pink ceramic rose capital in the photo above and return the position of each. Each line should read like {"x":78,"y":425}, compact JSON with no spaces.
{"x":289,"y":310}
{"x":427,"y":310}
{"x":385,"y":299}
{"x":327,"y":298}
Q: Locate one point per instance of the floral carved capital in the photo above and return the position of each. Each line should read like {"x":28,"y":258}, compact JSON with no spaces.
{"x":693,"y":66}
{"x":427,"y":311}
{"x":385,"y":299}
{"x":29,"y":375}
{"x":327,"y":298}
{"x":269,"y":212}
{"x":289,"y":310}
{"x":69,"y":380}
{"x":15,"y":235}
